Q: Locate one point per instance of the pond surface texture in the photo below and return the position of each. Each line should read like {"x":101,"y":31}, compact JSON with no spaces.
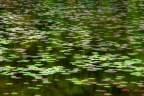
{"x":71,"y":48}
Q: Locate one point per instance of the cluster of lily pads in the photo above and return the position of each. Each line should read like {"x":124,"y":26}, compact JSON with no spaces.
{"x":49,"y":38}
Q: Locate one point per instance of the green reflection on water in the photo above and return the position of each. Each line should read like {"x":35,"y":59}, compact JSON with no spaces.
{"x":71,"y":48}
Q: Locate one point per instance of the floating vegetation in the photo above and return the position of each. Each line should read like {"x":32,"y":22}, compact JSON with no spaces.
{"x":71,"y":47}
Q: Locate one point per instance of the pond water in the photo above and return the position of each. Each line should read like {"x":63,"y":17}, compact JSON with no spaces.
{"x":72,"y":48}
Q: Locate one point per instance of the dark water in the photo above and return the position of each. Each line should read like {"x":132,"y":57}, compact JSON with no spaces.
{"x":71,"y":48}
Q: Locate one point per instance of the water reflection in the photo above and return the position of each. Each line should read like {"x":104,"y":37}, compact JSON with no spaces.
{"x":71,"y":49}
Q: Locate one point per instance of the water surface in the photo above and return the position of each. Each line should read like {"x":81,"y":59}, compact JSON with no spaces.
{"x":61,"y":48}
